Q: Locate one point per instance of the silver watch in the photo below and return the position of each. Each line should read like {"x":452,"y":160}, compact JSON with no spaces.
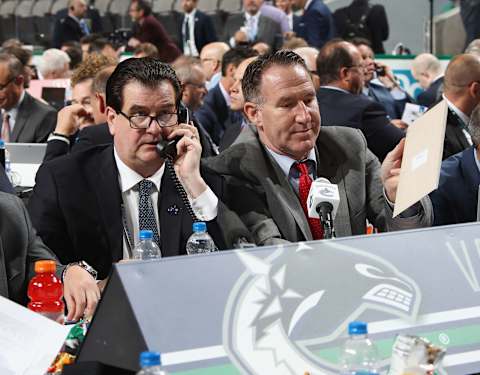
{"x":87,"y":267}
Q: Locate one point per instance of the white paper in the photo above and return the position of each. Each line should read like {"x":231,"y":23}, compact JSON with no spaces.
{"x":24,"y":174}
{"x":29,"y":342}
{"x":412,"y":112}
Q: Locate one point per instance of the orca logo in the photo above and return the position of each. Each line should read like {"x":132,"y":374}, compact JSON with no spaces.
{"x":282,"y":308}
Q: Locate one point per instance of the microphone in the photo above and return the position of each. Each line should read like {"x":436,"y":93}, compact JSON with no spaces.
{"x":322,"y":203}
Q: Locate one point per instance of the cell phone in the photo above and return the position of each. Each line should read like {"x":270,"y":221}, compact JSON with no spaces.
{"x":168,"y":149}
{"x":380,"y":70}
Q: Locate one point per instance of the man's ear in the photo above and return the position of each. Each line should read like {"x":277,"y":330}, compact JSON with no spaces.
{"x":111,"y":115}
{"x":19,"y":80}
{"x":253,"y":114}
{"x":344,"y":74}
{"x":102,"y":106}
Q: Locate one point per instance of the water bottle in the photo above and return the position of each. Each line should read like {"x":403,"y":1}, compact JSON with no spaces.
{"x":200,"y":241}
{"x":2,"y":153}
{"x":151,"y":364}
{"x":45,"y":291}
{"x":146,"y":249}
{"x":359,"y":355}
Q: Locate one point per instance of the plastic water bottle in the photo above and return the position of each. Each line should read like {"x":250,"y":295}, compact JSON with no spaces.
{"x":45,"y":291}
{"x":146,"y":249}
{"x":200,"y":241}
{"x":151,"y":364}
{"x":2,"y":153}
{"x":360,"y":355}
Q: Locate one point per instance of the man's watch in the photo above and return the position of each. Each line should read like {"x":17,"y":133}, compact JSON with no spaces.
{"x":87,"y":267}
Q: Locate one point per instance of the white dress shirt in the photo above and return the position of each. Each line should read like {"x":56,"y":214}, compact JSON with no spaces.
{"x":205,"y":206}
{"x":465,"y":119}
{"x":190,"y":49}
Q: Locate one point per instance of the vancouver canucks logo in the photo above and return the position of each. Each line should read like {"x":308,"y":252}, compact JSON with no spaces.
{"x":283,"y":308}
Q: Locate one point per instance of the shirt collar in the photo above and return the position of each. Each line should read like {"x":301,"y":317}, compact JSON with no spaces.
{"x":12,"y":112}
{"x":128,"y":178}
{"x":225,"y":94}
{"x":477,"y":162}
{"x":285,"y":162}
{"x":465,"y":119}
{"x":335,"y":88}
{"x":307,"y":4}
{"x":191,"y":14}
{"x":255,"y":17}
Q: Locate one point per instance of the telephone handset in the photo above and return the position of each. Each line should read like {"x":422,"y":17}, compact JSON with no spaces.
{"x":167,"y":149}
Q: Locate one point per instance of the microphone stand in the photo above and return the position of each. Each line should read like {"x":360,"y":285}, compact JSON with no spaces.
{"x":324,"y":210}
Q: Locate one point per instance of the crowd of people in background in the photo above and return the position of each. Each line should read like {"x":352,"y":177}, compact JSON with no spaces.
{"x":290,"y":92}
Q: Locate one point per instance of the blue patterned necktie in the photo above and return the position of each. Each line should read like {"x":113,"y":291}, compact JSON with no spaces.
{"x":146,"y":213}
{"x":84,"y":27}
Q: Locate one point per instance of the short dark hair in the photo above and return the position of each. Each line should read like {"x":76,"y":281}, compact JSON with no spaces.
{"x":22,"y":54}
{"x":332,"y":57}
{"x":235,"y":56}
{"x":74,"y":51}
{"x":252,"y":79}
{"x":87,"y":39}
{"x":15,"y":67}
{"x":97,"y":45}
{"x":143,"y":5}
{"x":358,"y":41}
{"x":147,"y":71}
{"x":148,"y":49}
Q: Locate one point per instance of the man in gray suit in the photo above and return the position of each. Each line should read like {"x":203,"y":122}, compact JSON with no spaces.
{"x":252,"y":27}
{"x":20,"y":248}
{"x":268,"y":169}
{"x":24,"y":118}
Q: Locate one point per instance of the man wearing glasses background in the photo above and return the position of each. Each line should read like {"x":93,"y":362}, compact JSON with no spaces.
{"x":24,"y":118}
{"x":90,"y":206}
{"x":341,"y":71}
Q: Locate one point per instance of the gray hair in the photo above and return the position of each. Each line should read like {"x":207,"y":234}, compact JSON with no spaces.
{"x":52,"y":60}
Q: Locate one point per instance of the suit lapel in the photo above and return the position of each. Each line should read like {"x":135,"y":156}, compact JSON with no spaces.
{"x":261,"y":27}
{"x":3,"y":274}
{"x":22,"y":115}
{"x":109,"y":201}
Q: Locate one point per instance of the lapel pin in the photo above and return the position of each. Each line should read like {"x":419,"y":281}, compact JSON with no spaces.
{"x":173,"y":210}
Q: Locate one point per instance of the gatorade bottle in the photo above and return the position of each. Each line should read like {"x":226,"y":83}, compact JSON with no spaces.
{"x":45,"y":291}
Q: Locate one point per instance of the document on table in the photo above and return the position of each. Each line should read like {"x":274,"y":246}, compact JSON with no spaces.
{"x":412,"y":112}
{"x":29,"y":342}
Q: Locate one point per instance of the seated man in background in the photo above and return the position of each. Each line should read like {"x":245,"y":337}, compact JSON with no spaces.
{"x":428,"y":71}
{"x":341,"y":70}
{"x":269,"y":171}
{"x":54,"y":64}
{"x":211,"y":58}
{"x":310,"y":54}
{"x":456,"y":198}
{"x":104,"y":47}
{"x":24,"y":118}
{"x":91,"y":205}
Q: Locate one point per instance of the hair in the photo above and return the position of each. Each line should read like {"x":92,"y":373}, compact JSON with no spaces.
{"x":15,"y":67}
{"x":358,"y":41}
{"x":89,"y":67}
{"x":53,"y":60}
{"x":12,"y":42}
{"x":149,"y":49}
{"x":74,"y":51}
{"x":143,"y":5}
{"x":461,"y":71}
{"x":474,"y":125}
{"x":100,"y":80}
{"x":252,"y":79}
{"x":294,"y":42}
{"x":87,"y":39}
{"x":22,"y":54}
{"x":473,"y":47}
{"x":146,"y":71}
{"x":183,"y":67}
{"x":426,"y":62}
{"x":235,"y":56}
{"x":97,"y":45}
{"x":332,"y":57}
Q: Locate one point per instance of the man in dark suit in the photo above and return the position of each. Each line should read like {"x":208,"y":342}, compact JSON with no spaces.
{"x":216,"y":106}
{"x":91,"y":205}
{"x":147,"y":28}
{"x":462,"y":93}
{"x":24,"y":118}
{"x":252,"y":27}
{"x":340,"y":67}
{"x":270,"y":170}
{"x":428,"y":71}
{"x":195,"y":29}
{"x":316,"y":24}
{"x":72,"y":27}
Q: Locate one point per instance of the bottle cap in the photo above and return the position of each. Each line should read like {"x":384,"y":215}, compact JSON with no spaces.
{"x":2,"y":143}
{"x":357,"y":328}
{"x":45,"y":266}
{"x":150,"y":359}
{"x":146,"y":234}
{"x":199,"y":226}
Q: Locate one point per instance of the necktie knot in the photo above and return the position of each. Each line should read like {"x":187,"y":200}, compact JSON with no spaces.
{"x":146,"y":187}
{"x":302,"y":167}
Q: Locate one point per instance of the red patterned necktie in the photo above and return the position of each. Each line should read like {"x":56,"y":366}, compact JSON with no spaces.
{"x":304,"y":187}
{"x":6,"y":127}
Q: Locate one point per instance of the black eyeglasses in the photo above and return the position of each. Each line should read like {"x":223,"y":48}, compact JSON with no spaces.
{"x":164,"y":120}
{"x":3,"y":87}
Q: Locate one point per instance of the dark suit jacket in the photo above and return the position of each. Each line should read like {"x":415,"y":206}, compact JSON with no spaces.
{"x":152,"y":31}
{"x":431,"y":95}
{"x":382,"y":95}
{"x":455,"y":140}
{"x":271,"y":209}
{"x":456,"y":199}
{"x":268,"y":31}
{"x":92,"y":15}
{"x":233,"y":128}
{"x":358,"y":111}
{"x":35,"y":121}
{"x":204,"y":30}
{"x":76,"y":208}
{"x":316,"y":24}
{"x":66,"y":30}
{"x":376,"y":22}
{"x":20,"y":248}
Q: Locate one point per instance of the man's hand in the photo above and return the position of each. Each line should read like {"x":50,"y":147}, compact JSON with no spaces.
{"x":390,"y":171}
{"x":80,"y":291}
{"x":389,"y":78}
{"x":187,"y":164}
{"x":240,"y":37}
{"x":133,"y":42}
{"x":399,"y":124}
{"x":69,"y":119}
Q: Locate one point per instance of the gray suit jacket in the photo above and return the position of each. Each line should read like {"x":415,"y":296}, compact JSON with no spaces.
{"x":270,"y":208}
{"x":268,"y":32}
{"x":20,"y":247}
{"x":35,"y":121}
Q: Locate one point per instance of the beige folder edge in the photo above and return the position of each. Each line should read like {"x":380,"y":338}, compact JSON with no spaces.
{"x":422,"y":157}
